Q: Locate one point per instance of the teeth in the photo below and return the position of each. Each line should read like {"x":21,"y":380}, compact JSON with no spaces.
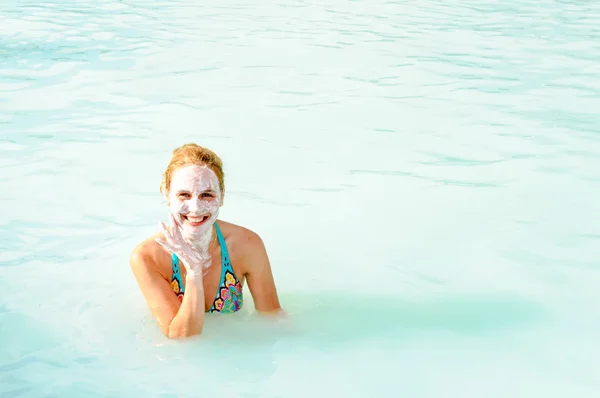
{"x":195,"y":219}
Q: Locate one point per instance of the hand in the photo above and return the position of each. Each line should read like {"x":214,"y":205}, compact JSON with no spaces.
{"x":193,"y":260}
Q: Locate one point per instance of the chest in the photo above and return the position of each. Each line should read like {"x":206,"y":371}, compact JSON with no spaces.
{"x":222,"y":284}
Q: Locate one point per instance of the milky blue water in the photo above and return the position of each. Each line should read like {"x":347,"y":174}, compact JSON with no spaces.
{"x":425,"y":175}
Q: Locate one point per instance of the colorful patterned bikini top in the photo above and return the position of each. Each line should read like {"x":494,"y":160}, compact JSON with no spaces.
{"x":229,"y":294}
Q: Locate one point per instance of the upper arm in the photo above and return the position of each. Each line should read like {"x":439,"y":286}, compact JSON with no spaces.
{"x":155,"y":288}
{"x":259,"y":274}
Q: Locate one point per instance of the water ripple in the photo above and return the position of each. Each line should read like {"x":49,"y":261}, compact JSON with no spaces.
{"x":470,"y":184}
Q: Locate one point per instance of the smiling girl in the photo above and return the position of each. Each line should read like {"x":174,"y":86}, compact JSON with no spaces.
{"x":200,"y":264}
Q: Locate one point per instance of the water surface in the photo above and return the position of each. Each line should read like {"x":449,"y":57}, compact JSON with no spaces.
{"x":425,"y":176}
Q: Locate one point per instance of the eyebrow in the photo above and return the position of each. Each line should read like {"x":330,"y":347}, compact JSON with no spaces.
{"x":187,"y":190}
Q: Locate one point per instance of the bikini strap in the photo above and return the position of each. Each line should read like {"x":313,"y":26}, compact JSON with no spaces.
{"x":235,"y":295}
{"x":176,"y":271}
{"x":225,"y":264}
{"x":224,"y":253}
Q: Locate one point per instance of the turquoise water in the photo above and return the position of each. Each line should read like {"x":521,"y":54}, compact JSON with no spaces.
{"x":425,"y":175}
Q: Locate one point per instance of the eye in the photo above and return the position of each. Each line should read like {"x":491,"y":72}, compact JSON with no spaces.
{"x":183,"y":195}
{"x":207,"y":195}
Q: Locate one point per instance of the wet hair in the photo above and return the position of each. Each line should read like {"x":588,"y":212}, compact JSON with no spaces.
{"x":193,"y":154}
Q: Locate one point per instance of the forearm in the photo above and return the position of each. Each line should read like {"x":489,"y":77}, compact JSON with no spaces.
{"x":189,"y":320}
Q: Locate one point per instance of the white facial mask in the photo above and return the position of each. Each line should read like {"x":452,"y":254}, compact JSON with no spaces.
{"x":194,"y":200}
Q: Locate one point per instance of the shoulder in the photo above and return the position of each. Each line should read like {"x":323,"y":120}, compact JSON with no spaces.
{"x":239,"y":235}
{"x":242,"y":241}
{"x":148,"y":256}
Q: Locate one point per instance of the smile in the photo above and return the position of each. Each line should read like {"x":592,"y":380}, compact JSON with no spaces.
{"x":195,"y":221}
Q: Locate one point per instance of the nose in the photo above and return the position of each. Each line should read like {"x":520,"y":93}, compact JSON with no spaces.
{"x":194,"y":205}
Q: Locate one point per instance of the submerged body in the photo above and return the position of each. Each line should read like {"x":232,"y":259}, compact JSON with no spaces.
{"x":200,"y":264}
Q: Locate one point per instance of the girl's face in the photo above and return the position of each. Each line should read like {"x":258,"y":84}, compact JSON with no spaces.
{"x":194,"y":199}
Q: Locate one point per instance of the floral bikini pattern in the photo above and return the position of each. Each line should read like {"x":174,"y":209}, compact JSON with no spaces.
{"x":177,"y":288}
{"x":229,"y":297}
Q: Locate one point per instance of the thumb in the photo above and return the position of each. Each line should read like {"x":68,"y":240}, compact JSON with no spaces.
{"x":168,"y":248}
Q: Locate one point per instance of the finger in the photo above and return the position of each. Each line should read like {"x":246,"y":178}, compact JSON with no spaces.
{"x":172,"y":224}
{"x":168,"y":235}
{"x":176,"y":228}
{"x":169,"y":248}
{"x":165,"y":245}
{"x":175,"y":220}
{"x":163,"y":228}
{"x":202,"y":254}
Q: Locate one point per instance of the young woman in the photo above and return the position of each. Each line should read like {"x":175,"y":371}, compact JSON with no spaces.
{"x":199,"y":264}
